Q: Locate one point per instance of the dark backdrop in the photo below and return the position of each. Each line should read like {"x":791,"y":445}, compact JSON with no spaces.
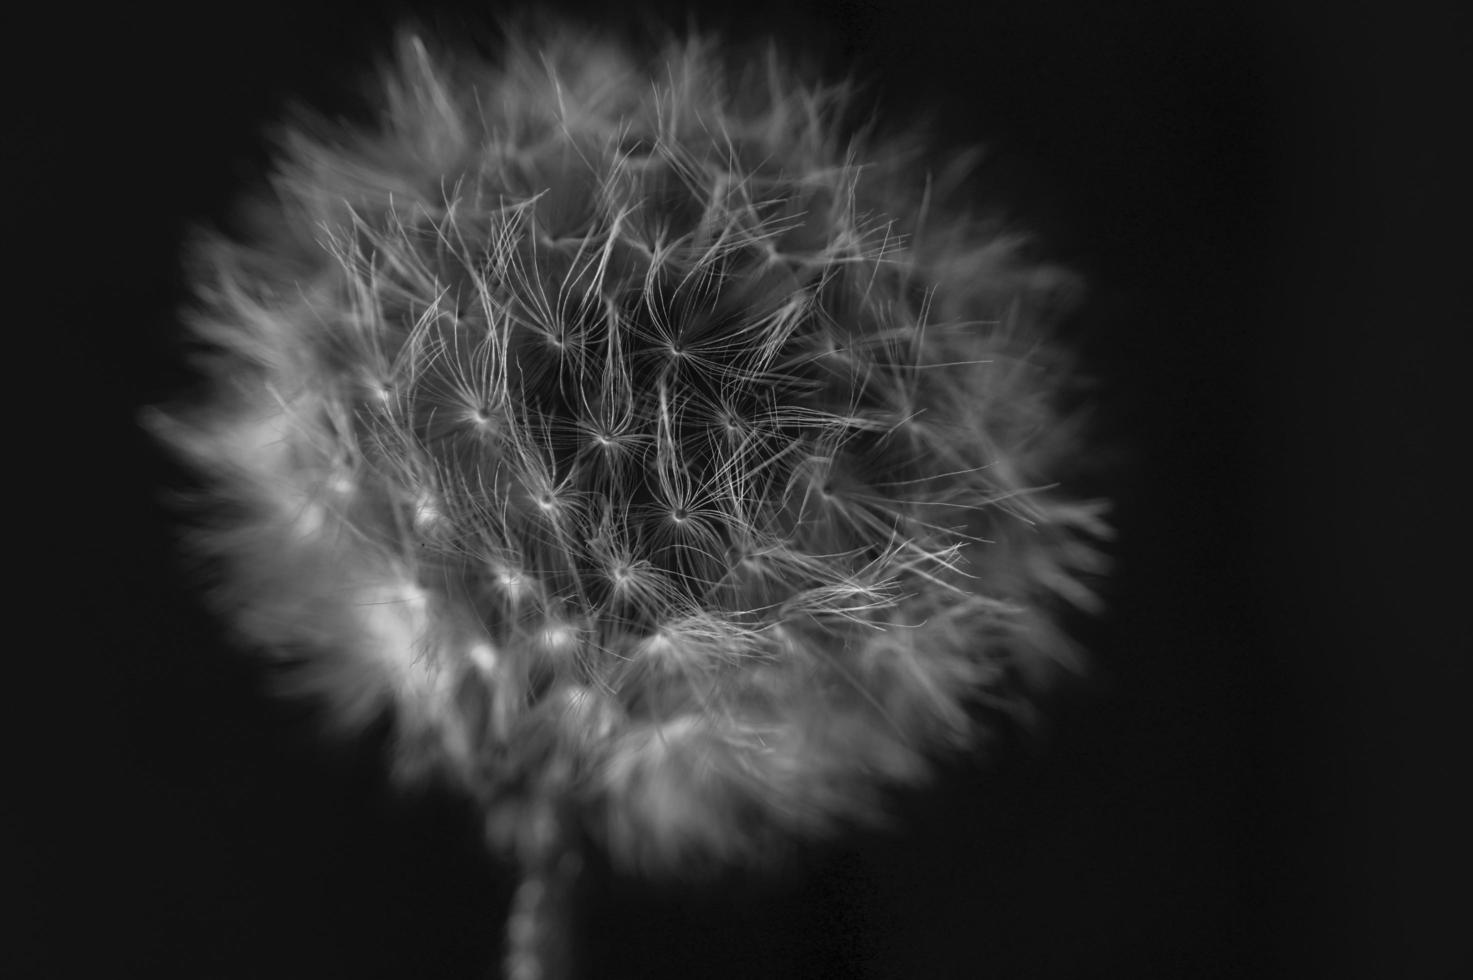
{"x":1262,"y":780}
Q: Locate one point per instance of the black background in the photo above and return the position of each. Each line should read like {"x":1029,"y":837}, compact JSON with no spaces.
{"x":1264,"y":779}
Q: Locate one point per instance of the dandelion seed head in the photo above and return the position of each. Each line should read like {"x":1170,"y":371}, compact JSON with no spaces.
{"x":653,"y":445}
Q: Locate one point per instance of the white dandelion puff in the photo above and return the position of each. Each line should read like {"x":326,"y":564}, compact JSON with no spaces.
{"x":668,"y":460}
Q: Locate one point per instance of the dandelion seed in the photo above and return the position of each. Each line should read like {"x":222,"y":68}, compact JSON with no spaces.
{"x":557,"y":640}
{"x":484,"y":657}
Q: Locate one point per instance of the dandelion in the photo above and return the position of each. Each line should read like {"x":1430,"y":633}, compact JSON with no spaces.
{"x":672,"y":463}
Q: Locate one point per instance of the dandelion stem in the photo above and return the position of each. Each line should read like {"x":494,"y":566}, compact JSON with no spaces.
{"x":539,"y":928}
